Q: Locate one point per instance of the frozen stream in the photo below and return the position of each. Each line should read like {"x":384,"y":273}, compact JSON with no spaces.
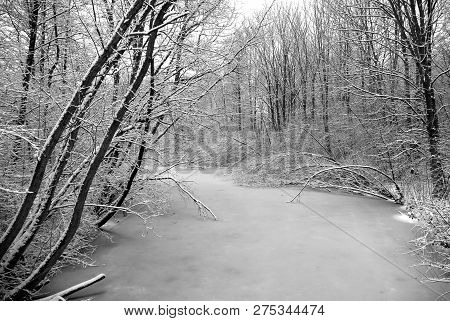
{"x":327,"y":247}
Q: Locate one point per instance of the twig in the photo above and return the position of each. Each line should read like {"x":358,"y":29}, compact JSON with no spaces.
{"x":199,"y":203}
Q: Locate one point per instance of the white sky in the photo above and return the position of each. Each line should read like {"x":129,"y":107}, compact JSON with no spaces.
{"x":248,"y":7}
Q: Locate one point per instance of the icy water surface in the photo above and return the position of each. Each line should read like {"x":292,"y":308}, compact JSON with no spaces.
{"x":327,"y":247}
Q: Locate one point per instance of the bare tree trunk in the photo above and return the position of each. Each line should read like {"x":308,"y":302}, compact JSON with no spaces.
{"x":313,"y":97}
{"x":115,"y":68}
{"x":438,"y":178}
{"x":393,"y":79}
{"x":143,"y":146}
{"x":421,"y":16}
{"x":325,"y":107}
{"x":407,"y":86}
{"x":33,"y":9}
{"x":33,"y":16}
{"x":237,"y":88}
{"x":42,"y":270}
{"x":29,"y":231}
{"x":70,"y":110}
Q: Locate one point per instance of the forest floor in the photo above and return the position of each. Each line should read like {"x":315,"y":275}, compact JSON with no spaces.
{"x":325,"y":247}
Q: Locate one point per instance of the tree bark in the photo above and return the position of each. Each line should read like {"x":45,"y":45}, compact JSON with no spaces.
{"x":420,"y":16}
{"x":34,"y":7}
{"x":42,"y":270}
{"x":143,"y":146}
{"x":33,"y":17}
{"x":29,"y":231}
{"x":70,"y":110}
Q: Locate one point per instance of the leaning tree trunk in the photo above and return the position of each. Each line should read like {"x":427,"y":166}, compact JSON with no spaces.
{"x":69,"y":112}
{"x":32,"y":227}
{"x":141,"y":152}
{"x":143,"y":146}
{"x":115,"y":154}
{"x":39,"y":274}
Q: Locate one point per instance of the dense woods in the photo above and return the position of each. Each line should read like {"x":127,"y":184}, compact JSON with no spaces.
{"x":369,"y":78}
{"x":99,"y":97}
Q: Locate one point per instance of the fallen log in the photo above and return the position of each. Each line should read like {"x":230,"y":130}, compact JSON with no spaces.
{"x":64,"y":293}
